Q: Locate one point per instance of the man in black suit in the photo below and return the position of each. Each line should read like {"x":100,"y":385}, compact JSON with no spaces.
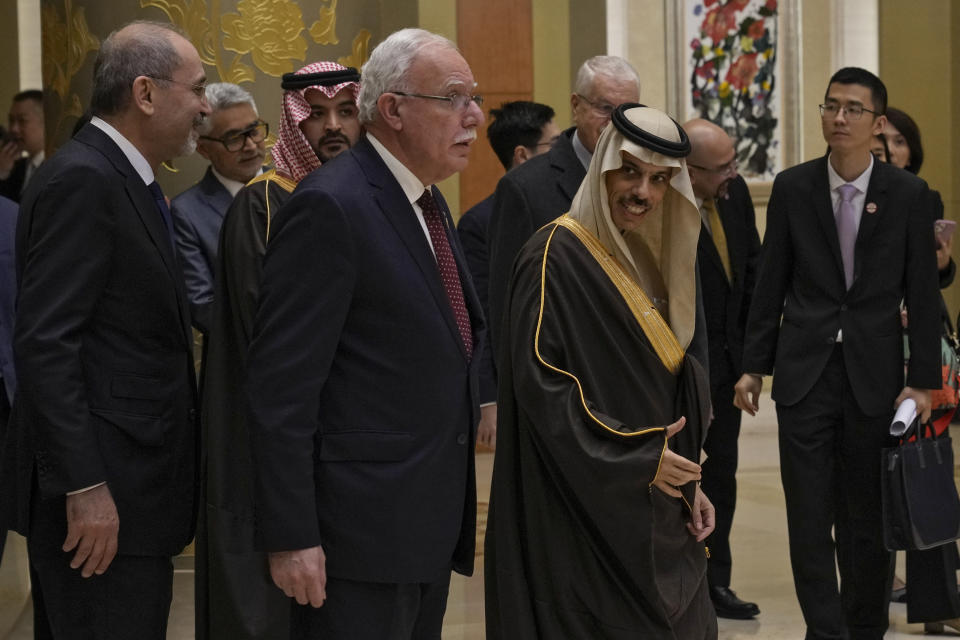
{"x":520,"y":130}
{"x":233,"y":141}
{"x":727,"y":255}
{"x":23,"y":151}
{"x":362,"y":380}
{"x":100,"y":466}
{"x":847,"y":239}
{"x":542,"y":189}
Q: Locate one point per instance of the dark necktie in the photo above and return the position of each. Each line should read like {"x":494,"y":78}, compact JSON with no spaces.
{"x":448,"y":267}
{"x":847,"y":229}
{"x":164,"y":212}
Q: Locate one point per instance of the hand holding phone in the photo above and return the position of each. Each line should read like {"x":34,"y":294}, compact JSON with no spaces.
{"x":944,"y":230}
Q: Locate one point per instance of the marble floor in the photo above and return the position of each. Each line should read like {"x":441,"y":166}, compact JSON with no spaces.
{"x":761,"y":564}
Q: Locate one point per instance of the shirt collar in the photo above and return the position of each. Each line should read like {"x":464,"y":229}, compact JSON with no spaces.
{"x":37,"y":160}
{"x":861,"y":182}
{"x":582,"y":154}
{"x":231,"y":185}
{"x":411,"y":185}
{"x":140,"y":164}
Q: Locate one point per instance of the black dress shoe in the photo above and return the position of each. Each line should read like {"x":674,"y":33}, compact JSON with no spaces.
{"x":728,"y":605}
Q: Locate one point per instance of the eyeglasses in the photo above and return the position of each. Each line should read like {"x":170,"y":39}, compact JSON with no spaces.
{"x":852,"y":111}
{"x":728,"y":169}
{"x":602,"y":109}
{"x":199,"y":90}
{"x":257,"y":134}
{"x":459,"y":101}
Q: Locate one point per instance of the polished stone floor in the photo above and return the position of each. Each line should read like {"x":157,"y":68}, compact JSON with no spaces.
{"x":761,"y":564}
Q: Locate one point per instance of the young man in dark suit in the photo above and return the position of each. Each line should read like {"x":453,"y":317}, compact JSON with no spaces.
{"x":362,"y":369}
{"x":727,"y":254}
{"x":520,"y":130}
{"x":847,"y":240}
{"x":100,"y":460}
{"x":542,"y":189}
{"x":233,"y":140}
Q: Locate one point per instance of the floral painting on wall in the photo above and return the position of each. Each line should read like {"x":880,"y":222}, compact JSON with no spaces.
{"x":731,"y":66}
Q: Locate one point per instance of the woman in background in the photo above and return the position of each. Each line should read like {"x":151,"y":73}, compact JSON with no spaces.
{"x":932,"y":596}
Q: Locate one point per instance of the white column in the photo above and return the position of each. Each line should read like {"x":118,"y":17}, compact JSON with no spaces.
{"x":856,"y":34}
{"x":28,"y":30}
{"x":617,"y":28}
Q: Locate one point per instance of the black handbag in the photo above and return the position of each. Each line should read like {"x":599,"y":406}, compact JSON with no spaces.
{"x":921,"y":509}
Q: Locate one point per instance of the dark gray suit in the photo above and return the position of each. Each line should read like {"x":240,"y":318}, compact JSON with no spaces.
{"x":197,"y":217}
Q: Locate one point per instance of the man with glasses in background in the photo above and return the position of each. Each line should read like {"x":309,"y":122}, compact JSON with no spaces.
{"x":727,"y":254}
{"x":234,"y":595}
{"x":542,"y":189}
{"x":520,"y":131}
{"x":233,"y":140}
{"x":848,"y":238}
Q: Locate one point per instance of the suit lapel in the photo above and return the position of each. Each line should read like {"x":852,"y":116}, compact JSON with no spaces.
{"x":874,"y":210}
{"x":564,"y":159}
{"x":216,"y":195}
{"x":823,"y":205}
{"x":399,"y":213}
{"x":151,"y":218}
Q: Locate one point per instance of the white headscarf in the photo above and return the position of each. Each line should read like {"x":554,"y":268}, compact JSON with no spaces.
{"x":661,"y":253}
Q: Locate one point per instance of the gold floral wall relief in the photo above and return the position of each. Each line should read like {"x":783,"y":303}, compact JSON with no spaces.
{"x":270,"y":32}
{"x":360,"y":51}
{"x":66,"y":43}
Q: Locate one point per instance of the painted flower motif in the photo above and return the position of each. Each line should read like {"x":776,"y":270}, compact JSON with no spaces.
{"x":738,"y":5}
{"x":718,"y":22}
{"x":269,"y":30}
{"x":708,"y":3}
{"x":771,"y":5}
{"x":695,"y":44}
{"x":742,"y":71}
{"x":724,"y":89}
{"x":746,"y":43}
{"x":705,"y":70}
{"x":756,"y":30}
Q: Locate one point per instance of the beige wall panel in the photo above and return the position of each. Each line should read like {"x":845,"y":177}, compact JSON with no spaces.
{"x":551,"y":57}
{"x":647,"y":50}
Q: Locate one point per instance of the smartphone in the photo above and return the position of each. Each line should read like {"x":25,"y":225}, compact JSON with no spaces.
{"x":944,"y":229}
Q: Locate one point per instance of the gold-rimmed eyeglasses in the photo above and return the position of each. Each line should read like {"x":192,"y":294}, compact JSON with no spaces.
{"x":199,"y":90}
{"x":459,"y":101}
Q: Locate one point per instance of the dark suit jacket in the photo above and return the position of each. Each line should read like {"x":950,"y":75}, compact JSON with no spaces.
{"x":726,"y":303}
{"x":8,"y":295}
{"x":13,"y":185}
{"x":197,"y":216}
{"x":528,"y":197}
{"x":103,"y":349}
{"x":363,"y":405}
{"x":801,"y":279}
{"x":473,"y":229}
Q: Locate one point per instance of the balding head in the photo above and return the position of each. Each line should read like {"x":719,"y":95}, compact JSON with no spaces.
{"x":712,"y":162}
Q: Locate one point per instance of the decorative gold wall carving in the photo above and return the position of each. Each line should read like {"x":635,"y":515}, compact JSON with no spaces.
{"x":66,"y":43}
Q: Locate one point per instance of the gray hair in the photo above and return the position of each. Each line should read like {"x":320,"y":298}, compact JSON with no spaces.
{"x":222,"y":95}
{"x":387,"y":68}
{"x":608,"y":66}
{"x":125,"y":56}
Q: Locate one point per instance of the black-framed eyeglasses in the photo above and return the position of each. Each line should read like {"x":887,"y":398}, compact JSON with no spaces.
{"x":853,"y":111}
{"x":728,"y":169}
{"x":602,"y":109}
{"x":234,"y":142}
{"x":459,"y":101}
{"x":199,"y":90}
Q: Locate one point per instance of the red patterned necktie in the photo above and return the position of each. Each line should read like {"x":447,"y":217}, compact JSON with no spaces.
{"x":447,"y":266}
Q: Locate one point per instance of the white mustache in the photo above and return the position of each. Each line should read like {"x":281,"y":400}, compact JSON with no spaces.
{"x":467,"y":137}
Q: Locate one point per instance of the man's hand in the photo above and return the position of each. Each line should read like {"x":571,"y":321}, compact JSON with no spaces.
{"x":675,"y":470}
{"x":921,"y":397}
{"x":301,"y":574}
{"x":746,"y":393}
{"x":943,"y":253}
{"x":9,"y":154}
{"x":487,"y":430}
{"x":92,"y":526}
{"x":703,"y":518}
